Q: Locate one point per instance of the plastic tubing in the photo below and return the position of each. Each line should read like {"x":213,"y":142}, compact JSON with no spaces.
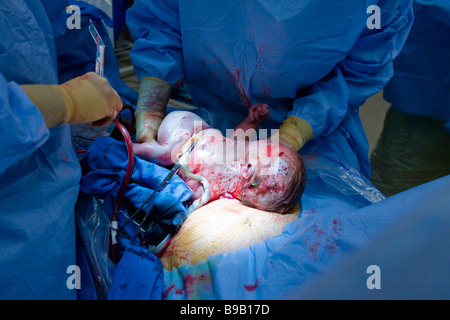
{"x":126,"y":179}
{"x":129,"y":144}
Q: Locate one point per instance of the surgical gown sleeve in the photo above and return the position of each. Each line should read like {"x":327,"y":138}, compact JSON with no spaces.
{"x":438,"y":9}
{"x":22,"y":126}
{"x":367,"y":67}
{"x":157,"y":50}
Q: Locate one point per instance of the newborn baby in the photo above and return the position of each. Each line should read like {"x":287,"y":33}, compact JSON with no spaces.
{"x":262,"y":174}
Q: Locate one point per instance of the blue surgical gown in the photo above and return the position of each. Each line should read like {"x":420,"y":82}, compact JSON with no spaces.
{"x":39,"y":171}
{"x":421,"y":83}
{"x":317,"y":60}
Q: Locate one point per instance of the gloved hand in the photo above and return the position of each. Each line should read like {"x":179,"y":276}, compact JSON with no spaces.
{"x":151,"y":107}
{"x":295,"y":132}
{"x":84,"y":99}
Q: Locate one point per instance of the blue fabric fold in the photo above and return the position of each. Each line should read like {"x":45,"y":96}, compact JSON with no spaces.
{"x":138,"y":276}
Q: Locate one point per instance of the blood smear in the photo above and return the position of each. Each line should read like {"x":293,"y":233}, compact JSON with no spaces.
{"x":241,"y":89}
{"x":251,"y":287}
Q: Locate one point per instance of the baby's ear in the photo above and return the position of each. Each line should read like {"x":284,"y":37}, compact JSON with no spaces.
{"x":247,"y":171}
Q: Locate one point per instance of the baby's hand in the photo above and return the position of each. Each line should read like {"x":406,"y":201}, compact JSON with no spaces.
{"x":258,"y":112}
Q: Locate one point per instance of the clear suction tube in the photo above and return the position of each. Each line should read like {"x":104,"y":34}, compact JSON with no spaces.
{"x":100,"y":59}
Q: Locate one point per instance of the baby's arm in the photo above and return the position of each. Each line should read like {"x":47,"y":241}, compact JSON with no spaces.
{"x":256,"y":114}
{"x":154,"y":152}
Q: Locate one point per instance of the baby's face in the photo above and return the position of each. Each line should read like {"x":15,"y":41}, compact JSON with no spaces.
{"x":268,"y":176}
{"x":263,"y":191}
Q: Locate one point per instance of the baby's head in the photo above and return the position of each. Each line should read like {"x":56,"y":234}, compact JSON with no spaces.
{"x":272,"y":180}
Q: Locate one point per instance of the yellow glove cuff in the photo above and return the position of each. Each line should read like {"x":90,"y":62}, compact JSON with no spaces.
{"x":49,"y":100}
{"x":78,"y":96}
{"x":295,"y":132}
{"x":88,"y":98}
{"x":155,"y":79}
{"x":153,"y":98}
{"x":70,"y":102}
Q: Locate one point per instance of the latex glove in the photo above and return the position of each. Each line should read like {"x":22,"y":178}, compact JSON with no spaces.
{"x":295,"y":132}
{"x":88,"y":98}
{"x":151,"y":107}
